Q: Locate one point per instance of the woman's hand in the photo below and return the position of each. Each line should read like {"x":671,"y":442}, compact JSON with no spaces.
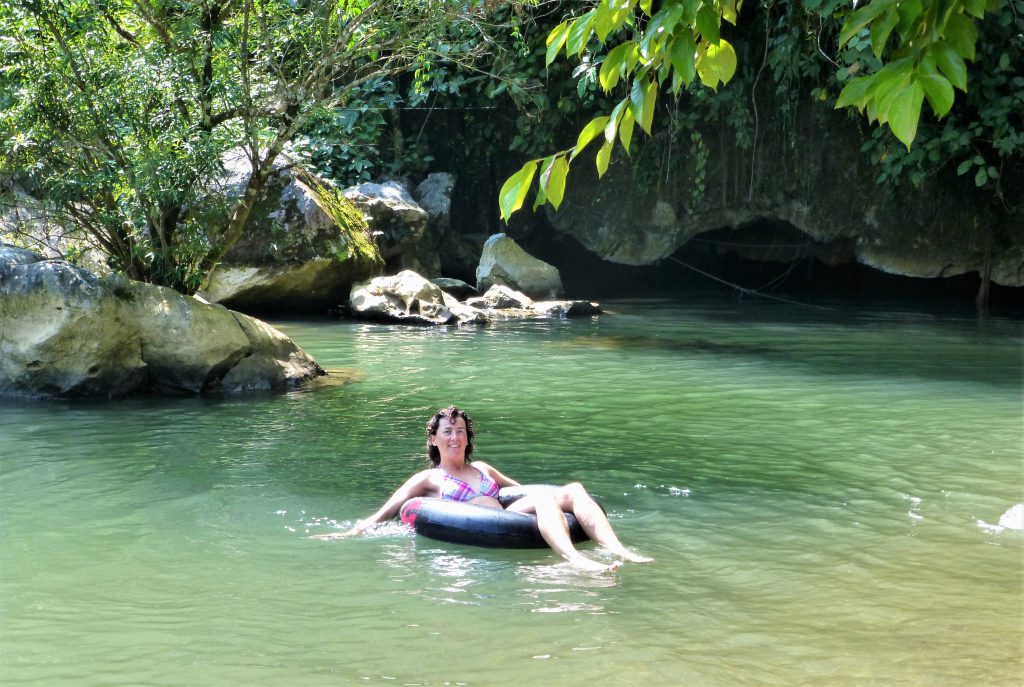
{"x":360,"y":527}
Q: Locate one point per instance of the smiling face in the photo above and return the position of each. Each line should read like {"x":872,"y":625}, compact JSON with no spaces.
{"x":451,"y":440}
{"x":449,"y":437}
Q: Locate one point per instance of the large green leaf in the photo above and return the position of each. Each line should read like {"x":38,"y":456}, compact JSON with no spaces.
{"x":939,"y":92}
{"x":626,"y":128}
{"x":961,"y":33}
{"x":556,"y":39}
{"x":579,"y":34}
{"x":683,"y":54}
{"x":905,"y":111}
{"x":881,"y":28}
{"x":862,"y":17}
{"x":708,"y":23}
{"x":604,"y":155}
{"x":855,"y":92}
{"x":514,"y":190}
{"x":650,"y":98}
{"x":716,"y":64}
{"x":589,"y":133}
{"x":611,"y":68}
{"x":555,"y":186}
{"x":950,"y":63}
{"x":613,"y":120}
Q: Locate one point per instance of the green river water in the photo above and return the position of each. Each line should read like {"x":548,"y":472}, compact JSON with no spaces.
{"x":815,"y":486}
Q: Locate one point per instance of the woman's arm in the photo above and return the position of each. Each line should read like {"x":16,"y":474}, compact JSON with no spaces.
{"x":495,"y":474}
{"x":417,"y":485}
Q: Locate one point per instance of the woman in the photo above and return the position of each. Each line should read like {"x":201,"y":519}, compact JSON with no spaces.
{"x":454,"y":477}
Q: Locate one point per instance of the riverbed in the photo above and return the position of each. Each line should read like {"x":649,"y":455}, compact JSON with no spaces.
{"x":820,"y":487}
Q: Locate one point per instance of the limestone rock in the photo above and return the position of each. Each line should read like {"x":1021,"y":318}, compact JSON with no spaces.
{"x":409,"y":298}
{"x":396,"y":220}
{"x":819,"y":183}
{"x":455,"y":287}
{"x":293,"y":255}
{"x":66,"y":333}
{"x":499,"y":296}
{"x":434,"y":195}
{"x":63,"y":332}
{"x":504,"y":263}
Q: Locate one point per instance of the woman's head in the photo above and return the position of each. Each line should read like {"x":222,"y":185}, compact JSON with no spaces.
{"x":450,"y":414}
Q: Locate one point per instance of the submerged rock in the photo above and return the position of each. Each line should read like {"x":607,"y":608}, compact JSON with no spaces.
{"x":64,"y":332}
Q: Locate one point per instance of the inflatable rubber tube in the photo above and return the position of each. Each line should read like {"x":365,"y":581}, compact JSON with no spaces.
{"x":458,"y":522}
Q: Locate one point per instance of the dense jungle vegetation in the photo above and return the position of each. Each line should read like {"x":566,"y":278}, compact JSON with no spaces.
{"x":118,"y":113}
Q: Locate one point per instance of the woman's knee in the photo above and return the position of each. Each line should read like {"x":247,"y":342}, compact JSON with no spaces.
{"x":571,"y":492}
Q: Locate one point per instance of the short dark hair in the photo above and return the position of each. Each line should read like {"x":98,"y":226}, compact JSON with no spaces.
{"x":451,"y":413}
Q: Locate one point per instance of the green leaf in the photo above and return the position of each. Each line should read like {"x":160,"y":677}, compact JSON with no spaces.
{"x":708,"y":23}
{"x":604,"y":155}
{"x":645,"y":6}
{"x":589,"y":133}
{"x":626,"y":129}
{"x":716,"y":64}
{"x":981,"y":177}
{"x":905,"y":112}
{"x":650,"y":98}
{"x":661,"y":25}
{"x":613,"y":120}
{"x":611,"y":68}
{"x":637,"y":101}
{"x":975,"y":8}
{"x":939,"y":92}
{"x":556,"y":39}
{"x":514,"y":190}
{"x":604,"y":20}
{"x":950,"y":63}
{"x":881,"y":29}
{"x":579,"y":34}
{"x":962,"y":33}
{"x":861,"y":18}
{"x":683,"y":54}
{"x":556,"y":181}
{"x":729,"y":11}
{"x":855,"y":92}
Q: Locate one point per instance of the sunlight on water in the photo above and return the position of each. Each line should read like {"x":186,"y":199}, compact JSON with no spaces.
{"x":822,"y":493}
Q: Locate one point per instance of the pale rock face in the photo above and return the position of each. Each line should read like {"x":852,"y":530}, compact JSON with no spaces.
{"x":411,"y":298}
{"x":504,"y":263}
{"x":66,"y":333}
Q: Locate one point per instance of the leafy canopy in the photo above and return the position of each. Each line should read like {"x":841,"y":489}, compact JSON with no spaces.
{"x":922,"y":46}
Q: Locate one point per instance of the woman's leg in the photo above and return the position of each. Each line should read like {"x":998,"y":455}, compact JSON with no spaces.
{"x":574,"y":498}
{"x":553,"y":528}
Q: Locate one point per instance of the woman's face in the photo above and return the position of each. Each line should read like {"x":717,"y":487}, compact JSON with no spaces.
{"x":451,"y":440}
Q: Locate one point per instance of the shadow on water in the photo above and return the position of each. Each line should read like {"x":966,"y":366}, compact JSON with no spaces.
{"x":836,"y":340}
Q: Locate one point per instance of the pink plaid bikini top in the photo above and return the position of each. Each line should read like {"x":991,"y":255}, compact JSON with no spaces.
{"x":454,"y":489}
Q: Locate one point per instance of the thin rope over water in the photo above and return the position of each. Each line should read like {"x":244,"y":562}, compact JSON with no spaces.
{"x":745,"y":290}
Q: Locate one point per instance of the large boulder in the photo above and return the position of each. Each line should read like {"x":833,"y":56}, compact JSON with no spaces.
{"x":409,"y":298}
{"x":64,"y":332}
{"x":397,"y":221}
{"x":300,"y":251}
{"x":504,"y":263}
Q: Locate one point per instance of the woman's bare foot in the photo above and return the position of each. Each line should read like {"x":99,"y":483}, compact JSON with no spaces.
{"x":630,"y":556}
{"x":581,"y":562}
